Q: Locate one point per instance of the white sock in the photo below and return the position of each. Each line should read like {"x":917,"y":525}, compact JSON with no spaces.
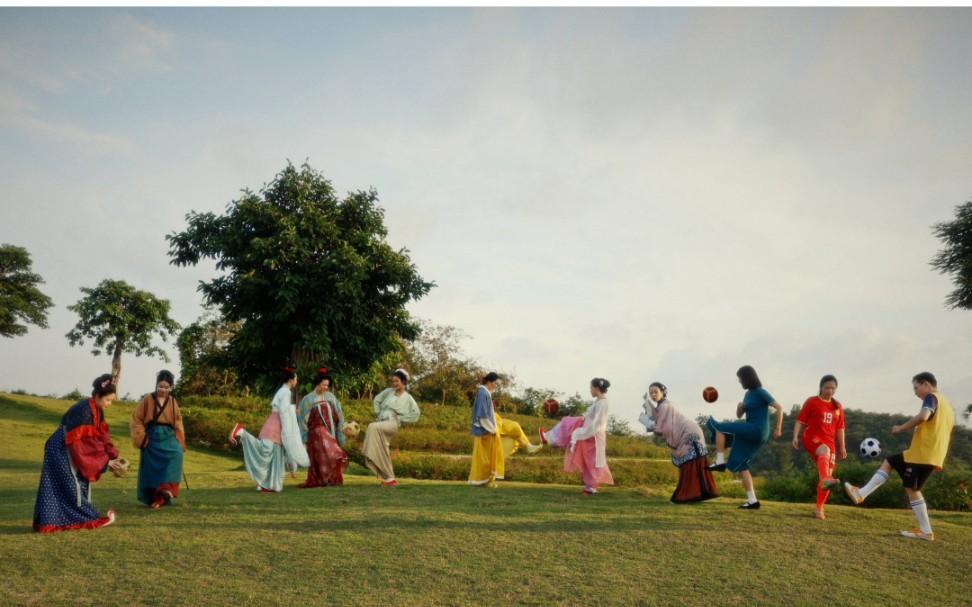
{"x":876,"y":481}
{"x":751,"y":496}
{"x":720,"y":457}
{"x":921,"y":513}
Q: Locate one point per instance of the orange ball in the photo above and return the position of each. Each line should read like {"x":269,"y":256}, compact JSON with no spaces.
{"x":710,"y":394}
{"x":551,"y":406}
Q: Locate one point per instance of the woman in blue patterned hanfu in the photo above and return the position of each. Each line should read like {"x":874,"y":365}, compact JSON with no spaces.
{"x":75,"y":456}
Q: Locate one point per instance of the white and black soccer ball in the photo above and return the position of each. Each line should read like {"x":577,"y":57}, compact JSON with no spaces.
{"x":870,"y":447}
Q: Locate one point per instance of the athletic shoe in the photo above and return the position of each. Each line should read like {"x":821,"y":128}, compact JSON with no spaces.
{"x":717,"y":467}
{"x":819,"y":514}
{"x":917,"y":534}
{"x":390,"y":483}
{"x":750,"y":506}
{"x":854,"y":494}
{"x":236,"y":432}
{"x":543,"y":438}
{"x":830,"y":483}
{"x":531,"y":449}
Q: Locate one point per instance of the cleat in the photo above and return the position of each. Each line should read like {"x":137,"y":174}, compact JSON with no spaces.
{"x":830,"y":483}
{"x":918,"y":534}
{"x":752,"y":506}
{"x":854,"y":494}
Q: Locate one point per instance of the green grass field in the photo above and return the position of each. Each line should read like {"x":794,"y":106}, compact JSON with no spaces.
{"x":445,"y":543}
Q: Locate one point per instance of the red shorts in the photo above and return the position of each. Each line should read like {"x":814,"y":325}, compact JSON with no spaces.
{"x":811,"y":443}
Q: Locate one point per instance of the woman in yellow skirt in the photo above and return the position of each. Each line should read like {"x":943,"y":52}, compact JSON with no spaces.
{"x":487,"y":455}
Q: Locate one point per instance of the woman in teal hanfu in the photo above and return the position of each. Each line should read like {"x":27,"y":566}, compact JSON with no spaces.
{"x":278,"y":446}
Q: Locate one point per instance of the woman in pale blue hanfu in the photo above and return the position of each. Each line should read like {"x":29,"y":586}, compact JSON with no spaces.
{"x":278,"y":447}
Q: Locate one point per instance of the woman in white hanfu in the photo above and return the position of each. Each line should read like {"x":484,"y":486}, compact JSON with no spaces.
{"x":279,"y":446}
{"x":586,"y":440}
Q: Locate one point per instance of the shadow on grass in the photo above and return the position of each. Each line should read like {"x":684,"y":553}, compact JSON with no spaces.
{"x":25,"y":412}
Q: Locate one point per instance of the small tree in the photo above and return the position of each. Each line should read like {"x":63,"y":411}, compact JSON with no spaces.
{"x":956,"y":257}
{"x":202,"y":356}
{"x":21,"y":302}
{"x":119,"y":318}
{"x":618,"y":427}
{"x":443,"y":374}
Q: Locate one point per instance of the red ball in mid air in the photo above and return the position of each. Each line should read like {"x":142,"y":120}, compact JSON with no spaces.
{"x":551,"y":406}
{"x":710,"y":394}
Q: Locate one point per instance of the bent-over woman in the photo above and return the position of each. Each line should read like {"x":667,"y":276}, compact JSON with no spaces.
{"x":75,"y":456}
{"x":685,"y":439}
{"x":157,"y":431}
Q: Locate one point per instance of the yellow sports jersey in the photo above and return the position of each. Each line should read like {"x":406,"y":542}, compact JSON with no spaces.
{"x":930,"y":441}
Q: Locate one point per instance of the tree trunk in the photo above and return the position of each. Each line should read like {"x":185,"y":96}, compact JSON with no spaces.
{"x":116,"y":367}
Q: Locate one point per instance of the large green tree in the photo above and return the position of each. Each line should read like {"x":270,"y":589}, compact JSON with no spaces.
{"x":309,"y":277}
{"x":119,"y":318}
{"x":956,"y":257}
{"x":21,"y":302}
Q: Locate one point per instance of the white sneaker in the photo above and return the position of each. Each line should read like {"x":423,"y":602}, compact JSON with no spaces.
{"x":917,"y":534}
{"x":854,"y":494}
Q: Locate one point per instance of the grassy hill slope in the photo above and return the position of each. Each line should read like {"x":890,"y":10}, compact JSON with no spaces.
{"x":445,"y":543}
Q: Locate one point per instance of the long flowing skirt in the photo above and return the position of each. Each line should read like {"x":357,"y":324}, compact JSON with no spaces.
{"x":160,"y":467}
{"x":582,"y":459}
{"x":375,"y":447}
{"x":63,"y":497}
{"x":328,"y":461}
{"x":695,"y":482}
{"x":265,"y":461}
{"x":559,"y":435}
{"x":487,"y":460}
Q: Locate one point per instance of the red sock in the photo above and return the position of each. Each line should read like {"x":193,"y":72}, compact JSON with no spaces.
{"x":823,"y":467}
{"x":822,"y":496}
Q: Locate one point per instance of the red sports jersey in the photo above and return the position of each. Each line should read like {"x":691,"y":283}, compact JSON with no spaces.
{"x":823,"y":419}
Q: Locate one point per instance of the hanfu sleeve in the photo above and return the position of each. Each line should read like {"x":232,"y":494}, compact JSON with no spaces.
{"x":593,"y":422}
{"x":91,"y":453}
{"x":137,"y":426}
{"x":408,"y":411}
{"x":177,"y":424}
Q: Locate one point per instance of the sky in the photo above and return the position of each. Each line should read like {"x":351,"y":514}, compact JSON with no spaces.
{"x":636,"y":194}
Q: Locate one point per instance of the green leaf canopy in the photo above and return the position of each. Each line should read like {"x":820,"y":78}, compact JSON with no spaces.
{"x":309,"y":277}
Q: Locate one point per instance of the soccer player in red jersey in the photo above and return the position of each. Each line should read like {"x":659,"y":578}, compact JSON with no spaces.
{"x":823,"y":417}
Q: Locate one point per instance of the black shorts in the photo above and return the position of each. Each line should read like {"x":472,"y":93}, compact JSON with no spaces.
{"x":913,"y":476}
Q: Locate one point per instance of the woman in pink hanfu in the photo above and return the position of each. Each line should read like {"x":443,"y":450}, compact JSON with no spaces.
{"x":585,"y":440}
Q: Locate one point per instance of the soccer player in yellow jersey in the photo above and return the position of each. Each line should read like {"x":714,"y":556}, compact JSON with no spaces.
{"x":933,"y":428}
